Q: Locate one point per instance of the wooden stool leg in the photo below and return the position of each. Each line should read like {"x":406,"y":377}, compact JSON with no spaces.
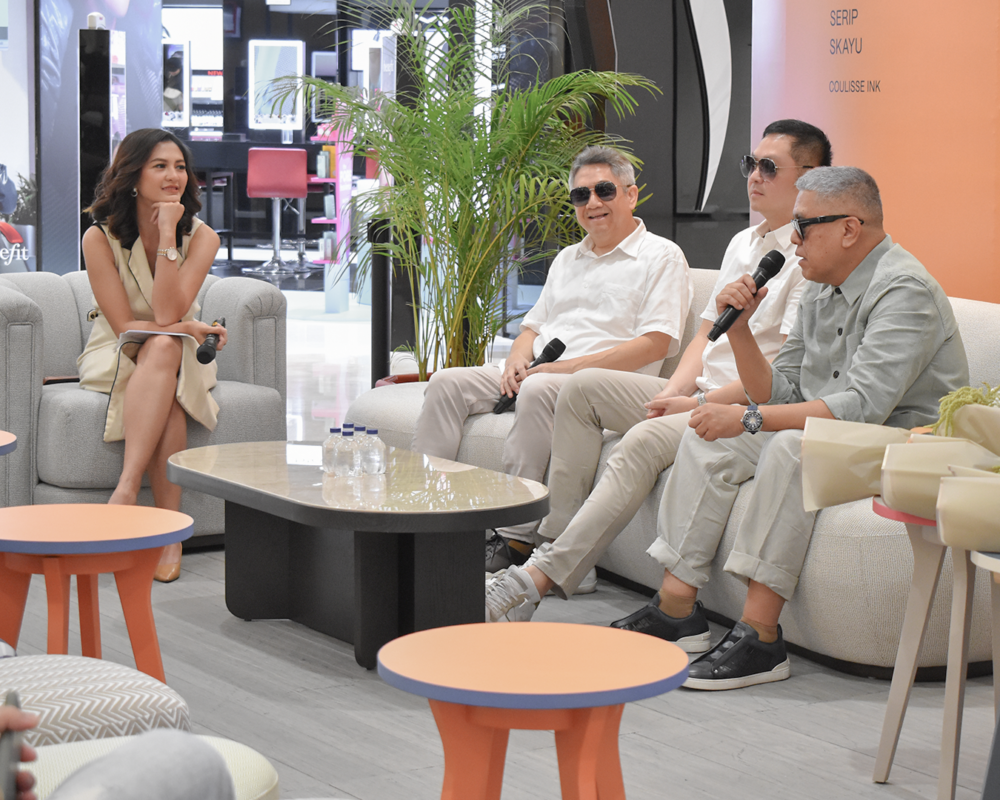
{"x":589,"y":764}
{"x":135,"y":585}
{"x":927,"y":560}
{"x":474,"y":755}
{"x":13,"y":596}
{"x":90,"y":615}
{"x":958,"y":666}
{"x":57,"y":594}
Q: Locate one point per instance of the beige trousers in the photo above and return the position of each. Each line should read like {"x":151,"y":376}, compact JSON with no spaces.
{"x":774,"y":534}
{"x":583,"y":527}
{"x":452,"y":395}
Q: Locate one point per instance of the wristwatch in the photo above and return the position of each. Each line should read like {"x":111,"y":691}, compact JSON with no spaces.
{"x":752,"y":420}
{"x":700,"y":397}
{"x":170,"y":253}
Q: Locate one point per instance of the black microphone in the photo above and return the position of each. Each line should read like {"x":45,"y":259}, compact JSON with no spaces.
{"x":550,"y":352}
{"x":206,"y":351}
{"x":769,"y":266}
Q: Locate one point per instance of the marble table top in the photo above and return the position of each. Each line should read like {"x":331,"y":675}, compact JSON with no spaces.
{"x":416,"y":492}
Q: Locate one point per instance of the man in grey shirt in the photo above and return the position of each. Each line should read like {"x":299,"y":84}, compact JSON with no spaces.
{"x":875,"y":341}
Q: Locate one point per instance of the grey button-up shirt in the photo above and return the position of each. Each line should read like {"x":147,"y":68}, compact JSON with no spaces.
{"x":883,"y":347}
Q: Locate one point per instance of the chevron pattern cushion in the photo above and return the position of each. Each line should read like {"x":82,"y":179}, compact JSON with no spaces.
{"x":253,"y":775}
{"x":78,"y":699}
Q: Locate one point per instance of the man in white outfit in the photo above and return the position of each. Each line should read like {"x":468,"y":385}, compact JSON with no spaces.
{"x":618,"y":300}
{"x":651,"y":412}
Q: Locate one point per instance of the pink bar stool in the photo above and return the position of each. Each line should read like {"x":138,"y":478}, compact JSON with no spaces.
{"x":277,"y":173}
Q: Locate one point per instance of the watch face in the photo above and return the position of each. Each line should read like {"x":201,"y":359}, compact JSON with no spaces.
{"x":172,"y":253}
{"x":752,"y":420}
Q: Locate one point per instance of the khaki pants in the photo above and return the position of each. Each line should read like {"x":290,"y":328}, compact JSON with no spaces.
{"x":774,"y":534}
{"x":583,"y":527}
{"x":452,"y":395}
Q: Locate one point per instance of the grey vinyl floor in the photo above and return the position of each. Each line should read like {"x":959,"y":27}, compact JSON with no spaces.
{"x":333,"y":729}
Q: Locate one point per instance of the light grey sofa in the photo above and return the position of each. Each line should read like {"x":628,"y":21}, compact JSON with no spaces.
{"x":61,"y":456}
{"x":851,"y":598}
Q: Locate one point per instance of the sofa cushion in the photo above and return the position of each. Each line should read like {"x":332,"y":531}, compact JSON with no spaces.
{"x":77,"y":698}
{"x":394,"y":411}
{"x":254,"y":778}
{"x":62,"y":343}
{"x":71,"y":431}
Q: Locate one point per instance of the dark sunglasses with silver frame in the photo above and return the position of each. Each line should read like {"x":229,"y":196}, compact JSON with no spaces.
{"x":800,"y":225}
{"x":605,"y":190}
{"x":768,"y":169}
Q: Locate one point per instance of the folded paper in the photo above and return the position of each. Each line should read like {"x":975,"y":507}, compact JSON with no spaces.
{"x":842,"y":461}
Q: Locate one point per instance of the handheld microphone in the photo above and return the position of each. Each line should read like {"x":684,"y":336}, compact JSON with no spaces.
{"x":769,"y":266}
{"x":206,"y":351}
{"x":551,"y":352}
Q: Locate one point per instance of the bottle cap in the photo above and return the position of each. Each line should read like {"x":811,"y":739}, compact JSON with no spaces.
{"x":359,"y":428}
{"x":372,"y":431}
{"x":348,"y":432}
{"x":348,"y":426}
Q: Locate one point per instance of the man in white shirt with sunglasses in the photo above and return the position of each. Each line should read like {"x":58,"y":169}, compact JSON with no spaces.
{"x":618,"y":300}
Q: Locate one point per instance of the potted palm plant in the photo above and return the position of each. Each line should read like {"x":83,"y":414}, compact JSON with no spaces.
{"x":478,"y":177}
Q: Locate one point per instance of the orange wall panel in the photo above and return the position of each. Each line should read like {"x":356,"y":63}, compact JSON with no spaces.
{"x":908,"y":90}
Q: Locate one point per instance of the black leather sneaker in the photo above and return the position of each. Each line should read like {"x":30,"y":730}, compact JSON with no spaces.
{"x":500,"y":554}
{"x":690,"y":634}
{"x":740,"y":659}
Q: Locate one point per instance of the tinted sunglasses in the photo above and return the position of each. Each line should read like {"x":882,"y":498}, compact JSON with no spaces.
{"x":800,"y":225}
{"x":768,"y":169}
{"x":605,"y":190}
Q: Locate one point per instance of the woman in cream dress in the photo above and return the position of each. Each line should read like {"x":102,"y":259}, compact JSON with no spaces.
{"x":147,"y":257}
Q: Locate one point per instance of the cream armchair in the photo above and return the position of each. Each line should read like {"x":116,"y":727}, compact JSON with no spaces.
{"x":61,"y":456}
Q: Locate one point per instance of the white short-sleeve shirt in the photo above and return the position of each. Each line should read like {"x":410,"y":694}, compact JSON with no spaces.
{"x":776,"y":313}
{"x":593,"y":303}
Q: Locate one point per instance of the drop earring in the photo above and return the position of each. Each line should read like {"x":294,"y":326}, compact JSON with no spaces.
{"x":135,"y":192}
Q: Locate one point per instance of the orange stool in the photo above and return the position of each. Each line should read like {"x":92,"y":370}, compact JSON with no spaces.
{"x":86,"y":540}
{"x":480,"y":685}
{"x":276,"y":172}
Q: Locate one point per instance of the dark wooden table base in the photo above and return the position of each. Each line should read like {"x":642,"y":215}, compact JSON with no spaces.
{"x":362,"y":587}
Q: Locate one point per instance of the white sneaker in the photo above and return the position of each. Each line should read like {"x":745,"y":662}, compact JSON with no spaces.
{"x":511,"y":596}
{"x":587,"y":586}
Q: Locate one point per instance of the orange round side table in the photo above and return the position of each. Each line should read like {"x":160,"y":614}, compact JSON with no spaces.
{"x":86,"y":540}
{"x":8,"y":443}
{"x":483,"y":680}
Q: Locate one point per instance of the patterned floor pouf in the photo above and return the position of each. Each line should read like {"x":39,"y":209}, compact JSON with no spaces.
{"x":78,"y":699}
{"x":253,"y":775}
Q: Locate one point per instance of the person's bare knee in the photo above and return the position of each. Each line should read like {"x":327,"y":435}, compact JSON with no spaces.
{"x":161,"y":351}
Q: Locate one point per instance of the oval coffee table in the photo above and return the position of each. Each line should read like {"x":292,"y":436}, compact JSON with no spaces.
{"x":85,"y":540}
{"x":362,"y":559}
{"x":484,"y":680}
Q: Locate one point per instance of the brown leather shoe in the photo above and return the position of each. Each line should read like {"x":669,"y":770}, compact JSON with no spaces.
{"x":167,"y":573}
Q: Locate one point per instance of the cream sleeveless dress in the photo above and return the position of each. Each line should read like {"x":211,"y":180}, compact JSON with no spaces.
{"x":106,"y":368}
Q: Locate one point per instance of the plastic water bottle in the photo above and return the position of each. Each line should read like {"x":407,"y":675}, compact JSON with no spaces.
{"x":374,"y":453}
{"x":329,"y":450}
{"x":347,"y":460}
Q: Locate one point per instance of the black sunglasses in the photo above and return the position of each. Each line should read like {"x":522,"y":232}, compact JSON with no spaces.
{"x":605,"y":190}
{"x":768,"y":169}
{"x":800,"y":225}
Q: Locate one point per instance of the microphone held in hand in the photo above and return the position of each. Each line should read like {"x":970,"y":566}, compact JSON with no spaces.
{"x":551,"y":352}
{"x":769,"y":266}
{"x":206,"y":352}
